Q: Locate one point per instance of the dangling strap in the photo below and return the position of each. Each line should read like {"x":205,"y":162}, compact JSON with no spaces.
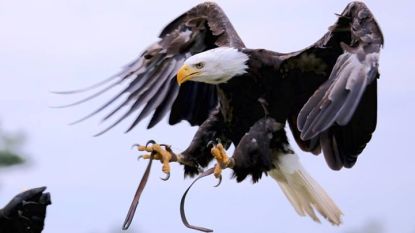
{"x":136,"y":199}
{"x":182,"y":212}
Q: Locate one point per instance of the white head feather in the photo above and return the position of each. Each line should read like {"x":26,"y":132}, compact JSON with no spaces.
{"x":218,"y":65}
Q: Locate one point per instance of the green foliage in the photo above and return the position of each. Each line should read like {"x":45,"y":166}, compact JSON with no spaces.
{"x":8,"y":158}
{"x":10,"y":145}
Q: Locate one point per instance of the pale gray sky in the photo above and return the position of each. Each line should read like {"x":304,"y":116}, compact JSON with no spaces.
{"x":58,"y":45}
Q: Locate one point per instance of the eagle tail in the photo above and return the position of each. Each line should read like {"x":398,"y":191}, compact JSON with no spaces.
{"x":304,"y":193}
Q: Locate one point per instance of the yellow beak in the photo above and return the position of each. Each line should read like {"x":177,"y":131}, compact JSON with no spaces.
{"x":186,"y":73}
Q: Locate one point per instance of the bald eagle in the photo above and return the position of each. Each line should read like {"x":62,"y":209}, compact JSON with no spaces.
{"x":200,"y":71}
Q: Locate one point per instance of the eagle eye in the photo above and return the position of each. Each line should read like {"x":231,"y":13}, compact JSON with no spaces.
{"x":200,"y":65}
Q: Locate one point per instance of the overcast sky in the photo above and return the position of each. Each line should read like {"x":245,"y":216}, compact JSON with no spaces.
{"x":59,"y":45}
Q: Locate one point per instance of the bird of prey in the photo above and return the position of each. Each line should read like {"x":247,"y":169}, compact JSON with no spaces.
{"x":201,"y":71}
{"x":26,"y":212}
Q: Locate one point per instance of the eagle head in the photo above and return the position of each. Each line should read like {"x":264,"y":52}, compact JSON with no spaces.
{"x":213,"y":66}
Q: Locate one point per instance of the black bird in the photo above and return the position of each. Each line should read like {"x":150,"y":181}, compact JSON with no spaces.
{"x":26,"y":212}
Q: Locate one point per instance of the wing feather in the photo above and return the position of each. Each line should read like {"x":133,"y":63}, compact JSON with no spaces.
{"x":165,"y":105}
{"x":336,"y":99}
{"x":336,"y":103}
{"x":150,"y":78}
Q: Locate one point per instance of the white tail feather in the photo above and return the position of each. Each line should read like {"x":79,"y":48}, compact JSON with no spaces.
{"x":303,"y":192}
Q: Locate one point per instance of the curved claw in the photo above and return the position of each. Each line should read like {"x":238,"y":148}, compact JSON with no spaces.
{"x":166,"y":178}
{"x":150,"y":142}
{"x":211,"y":143}
{"x":140,"y":157}
{"x":220,"y":181}
{"x":135,"y":145}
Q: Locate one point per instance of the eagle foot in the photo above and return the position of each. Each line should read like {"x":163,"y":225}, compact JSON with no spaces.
{"x":162,"y":152}
{"x":223,"y":161}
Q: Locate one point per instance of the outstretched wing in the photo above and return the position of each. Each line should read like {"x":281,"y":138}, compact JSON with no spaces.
{"x":151,"y":77}
{"x":335,"y":80}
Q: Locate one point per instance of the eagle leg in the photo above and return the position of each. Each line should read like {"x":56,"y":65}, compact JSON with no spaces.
{"x":163,"y":153}
{"x":223,"y":161}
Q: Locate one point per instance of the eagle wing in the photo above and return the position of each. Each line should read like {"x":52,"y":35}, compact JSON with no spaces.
{"x":335,"y":81}
{"x":151,"y":78}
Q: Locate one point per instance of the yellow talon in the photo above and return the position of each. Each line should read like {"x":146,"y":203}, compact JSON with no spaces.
{"x":165,"y":155}
{"x":145,"y":148}
{"x":218,"y":171}
{"x":147,"y":156}
{"x":221,"y":157}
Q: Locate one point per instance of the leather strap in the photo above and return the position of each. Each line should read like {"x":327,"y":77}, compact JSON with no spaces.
{"x":136,"y":199}
{"x":182,"y":212}
{"x":140,"y":189}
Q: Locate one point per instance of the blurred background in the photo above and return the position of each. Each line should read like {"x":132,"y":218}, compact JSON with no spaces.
{"x":48,"y":45}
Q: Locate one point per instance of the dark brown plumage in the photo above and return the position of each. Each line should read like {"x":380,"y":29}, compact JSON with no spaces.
{"x":326,"y":92}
